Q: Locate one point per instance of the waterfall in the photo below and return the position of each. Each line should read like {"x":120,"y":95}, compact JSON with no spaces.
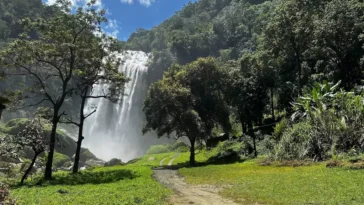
{"x":115,"y":130}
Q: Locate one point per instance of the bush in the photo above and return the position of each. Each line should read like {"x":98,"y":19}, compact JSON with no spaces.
{"x":179,"y":146}
{"x":5,"y":195}
{"x":294,"y":143}
{"x":59,"y":159}
{"x":280,"y":128}
{"x":227,"y":152}
{"x":158,"y":149}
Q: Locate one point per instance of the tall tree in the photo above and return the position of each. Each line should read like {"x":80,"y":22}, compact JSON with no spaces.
{"x":50,"y":61}
{"x":248,"y":93}
{"x":288,"y":35}
{"x":103,"y":70}
{"x":188,"y":101}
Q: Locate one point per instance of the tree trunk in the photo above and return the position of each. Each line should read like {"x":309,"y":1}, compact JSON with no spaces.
{"x":80,"y":132}
{"x":272,"y":103}
{"x":252,"y":135}
{"x":243,"y":124}
{"x":192,"y":151}
{"x":30,"y":167}
{"x":52,"y":143}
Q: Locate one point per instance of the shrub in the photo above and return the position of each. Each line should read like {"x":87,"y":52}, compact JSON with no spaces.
{"x":280,"y":128}
{"x":178,"y":146}
{"x":294,"y":143}
{"x":5,"y":195}
{"x":59,"y":159}
{"x":158,"y":149}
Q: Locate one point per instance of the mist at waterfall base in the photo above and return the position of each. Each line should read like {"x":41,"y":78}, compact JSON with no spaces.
{"x":115,"y":130}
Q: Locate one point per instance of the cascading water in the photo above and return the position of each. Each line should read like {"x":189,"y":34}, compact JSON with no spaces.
{"x":115,"y":130}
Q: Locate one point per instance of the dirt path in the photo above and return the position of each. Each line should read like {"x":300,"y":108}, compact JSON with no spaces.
{"x":186,"y":193}
{"x":170,"y":163}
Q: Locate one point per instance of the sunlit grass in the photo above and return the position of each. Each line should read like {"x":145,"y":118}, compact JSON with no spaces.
{"x":129,"y":184}
{"x":249,"y":183}
{"x":153,"y":160}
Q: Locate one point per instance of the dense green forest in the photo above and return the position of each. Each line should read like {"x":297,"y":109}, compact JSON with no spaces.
{"x":273,"y":56}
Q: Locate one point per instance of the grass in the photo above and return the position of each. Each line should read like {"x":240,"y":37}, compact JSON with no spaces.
{"x":130,"y":184}
{"x":246,"y":183}
{"x":249,"y":183}
{"x":152,"y":160}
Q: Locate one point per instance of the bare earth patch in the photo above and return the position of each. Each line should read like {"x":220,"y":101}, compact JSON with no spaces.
{"x":189,"y":194}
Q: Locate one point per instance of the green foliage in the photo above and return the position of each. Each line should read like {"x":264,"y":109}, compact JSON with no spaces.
{"x":326,"y":119}
{"x":158,"y":149}
{"x":14,"y":126}
{"x":5,"y":197}
{"x":188,"y":101}
{"x":223,"y":28}
{"x":60,"y":159}
{"x":280,"y":128}
{"x":294,"y":142}
{"x":179,"y":146}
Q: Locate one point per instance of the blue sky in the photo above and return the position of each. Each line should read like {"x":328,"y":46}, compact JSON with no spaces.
{"x":125,"y":16}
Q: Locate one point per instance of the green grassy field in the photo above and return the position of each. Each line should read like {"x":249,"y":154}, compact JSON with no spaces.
{"x":248,"y":183}
{"x":130,"y":184}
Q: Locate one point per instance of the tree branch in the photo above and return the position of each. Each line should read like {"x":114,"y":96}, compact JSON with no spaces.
{"x":88,"y":115}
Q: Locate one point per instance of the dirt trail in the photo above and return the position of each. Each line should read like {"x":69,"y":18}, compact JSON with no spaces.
{"x":186,"y":193}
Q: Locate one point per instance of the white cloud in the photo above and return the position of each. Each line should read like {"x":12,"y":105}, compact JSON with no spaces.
{"x":112,"y":28}
{"x":127,"y":1}
{"x":146,"y":3}
{"x":77,"y":3}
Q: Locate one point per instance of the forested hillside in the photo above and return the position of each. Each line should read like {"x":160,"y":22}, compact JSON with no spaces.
{"x":266,"y":57}
{"x":224,"y":29}
{"x":13,"y":11}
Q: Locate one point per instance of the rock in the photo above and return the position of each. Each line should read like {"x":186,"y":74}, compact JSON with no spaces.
{"x":82,"y":168}
{"x":114,"y":162}
{"x":151,"y":159}
{"x":94,"y":163}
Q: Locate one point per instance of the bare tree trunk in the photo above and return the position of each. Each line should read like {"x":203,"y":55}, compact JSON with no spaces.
{"x":48,"y":169}
{"x":272,"y":103}
{"x":252,"y":135}
{"x":192,"y":151}
{"x":30,"y":167}
{"x":80,"y":131}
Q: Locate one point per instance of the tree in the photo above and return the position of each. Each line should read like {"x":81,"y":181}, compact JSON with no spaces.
{"x":33,"y":136}
{"x":338,"y":47}
{"x":248,"y":94}
{"x":61,"y":48}
{"x":103,"y":70}
{"x":288,"y":35}
{"x":188,"y":101}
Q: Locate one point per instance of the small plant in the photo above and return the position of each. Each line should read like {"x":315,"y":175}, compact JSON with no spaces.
{"x":5,"y":198}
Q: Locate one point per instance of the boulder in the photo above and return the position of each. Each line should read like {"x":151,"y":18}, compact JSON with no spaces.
{"x":94,"y":163}
{"x":114,"y":162}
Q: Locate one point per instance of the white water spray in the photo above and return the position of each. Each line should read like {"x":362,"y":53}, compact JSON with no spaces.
{"x":115,"y":130}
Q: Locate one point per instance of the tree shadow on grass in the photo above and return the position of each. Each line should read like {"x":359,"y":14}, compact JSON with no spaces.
{"x":87,"y":177}
{"x":215,"y":160}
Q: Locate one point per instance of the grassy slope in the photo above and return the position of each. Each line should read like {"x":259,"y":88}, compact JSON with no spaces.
{"x":249,"y":183}
{"x":130,"y":184}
